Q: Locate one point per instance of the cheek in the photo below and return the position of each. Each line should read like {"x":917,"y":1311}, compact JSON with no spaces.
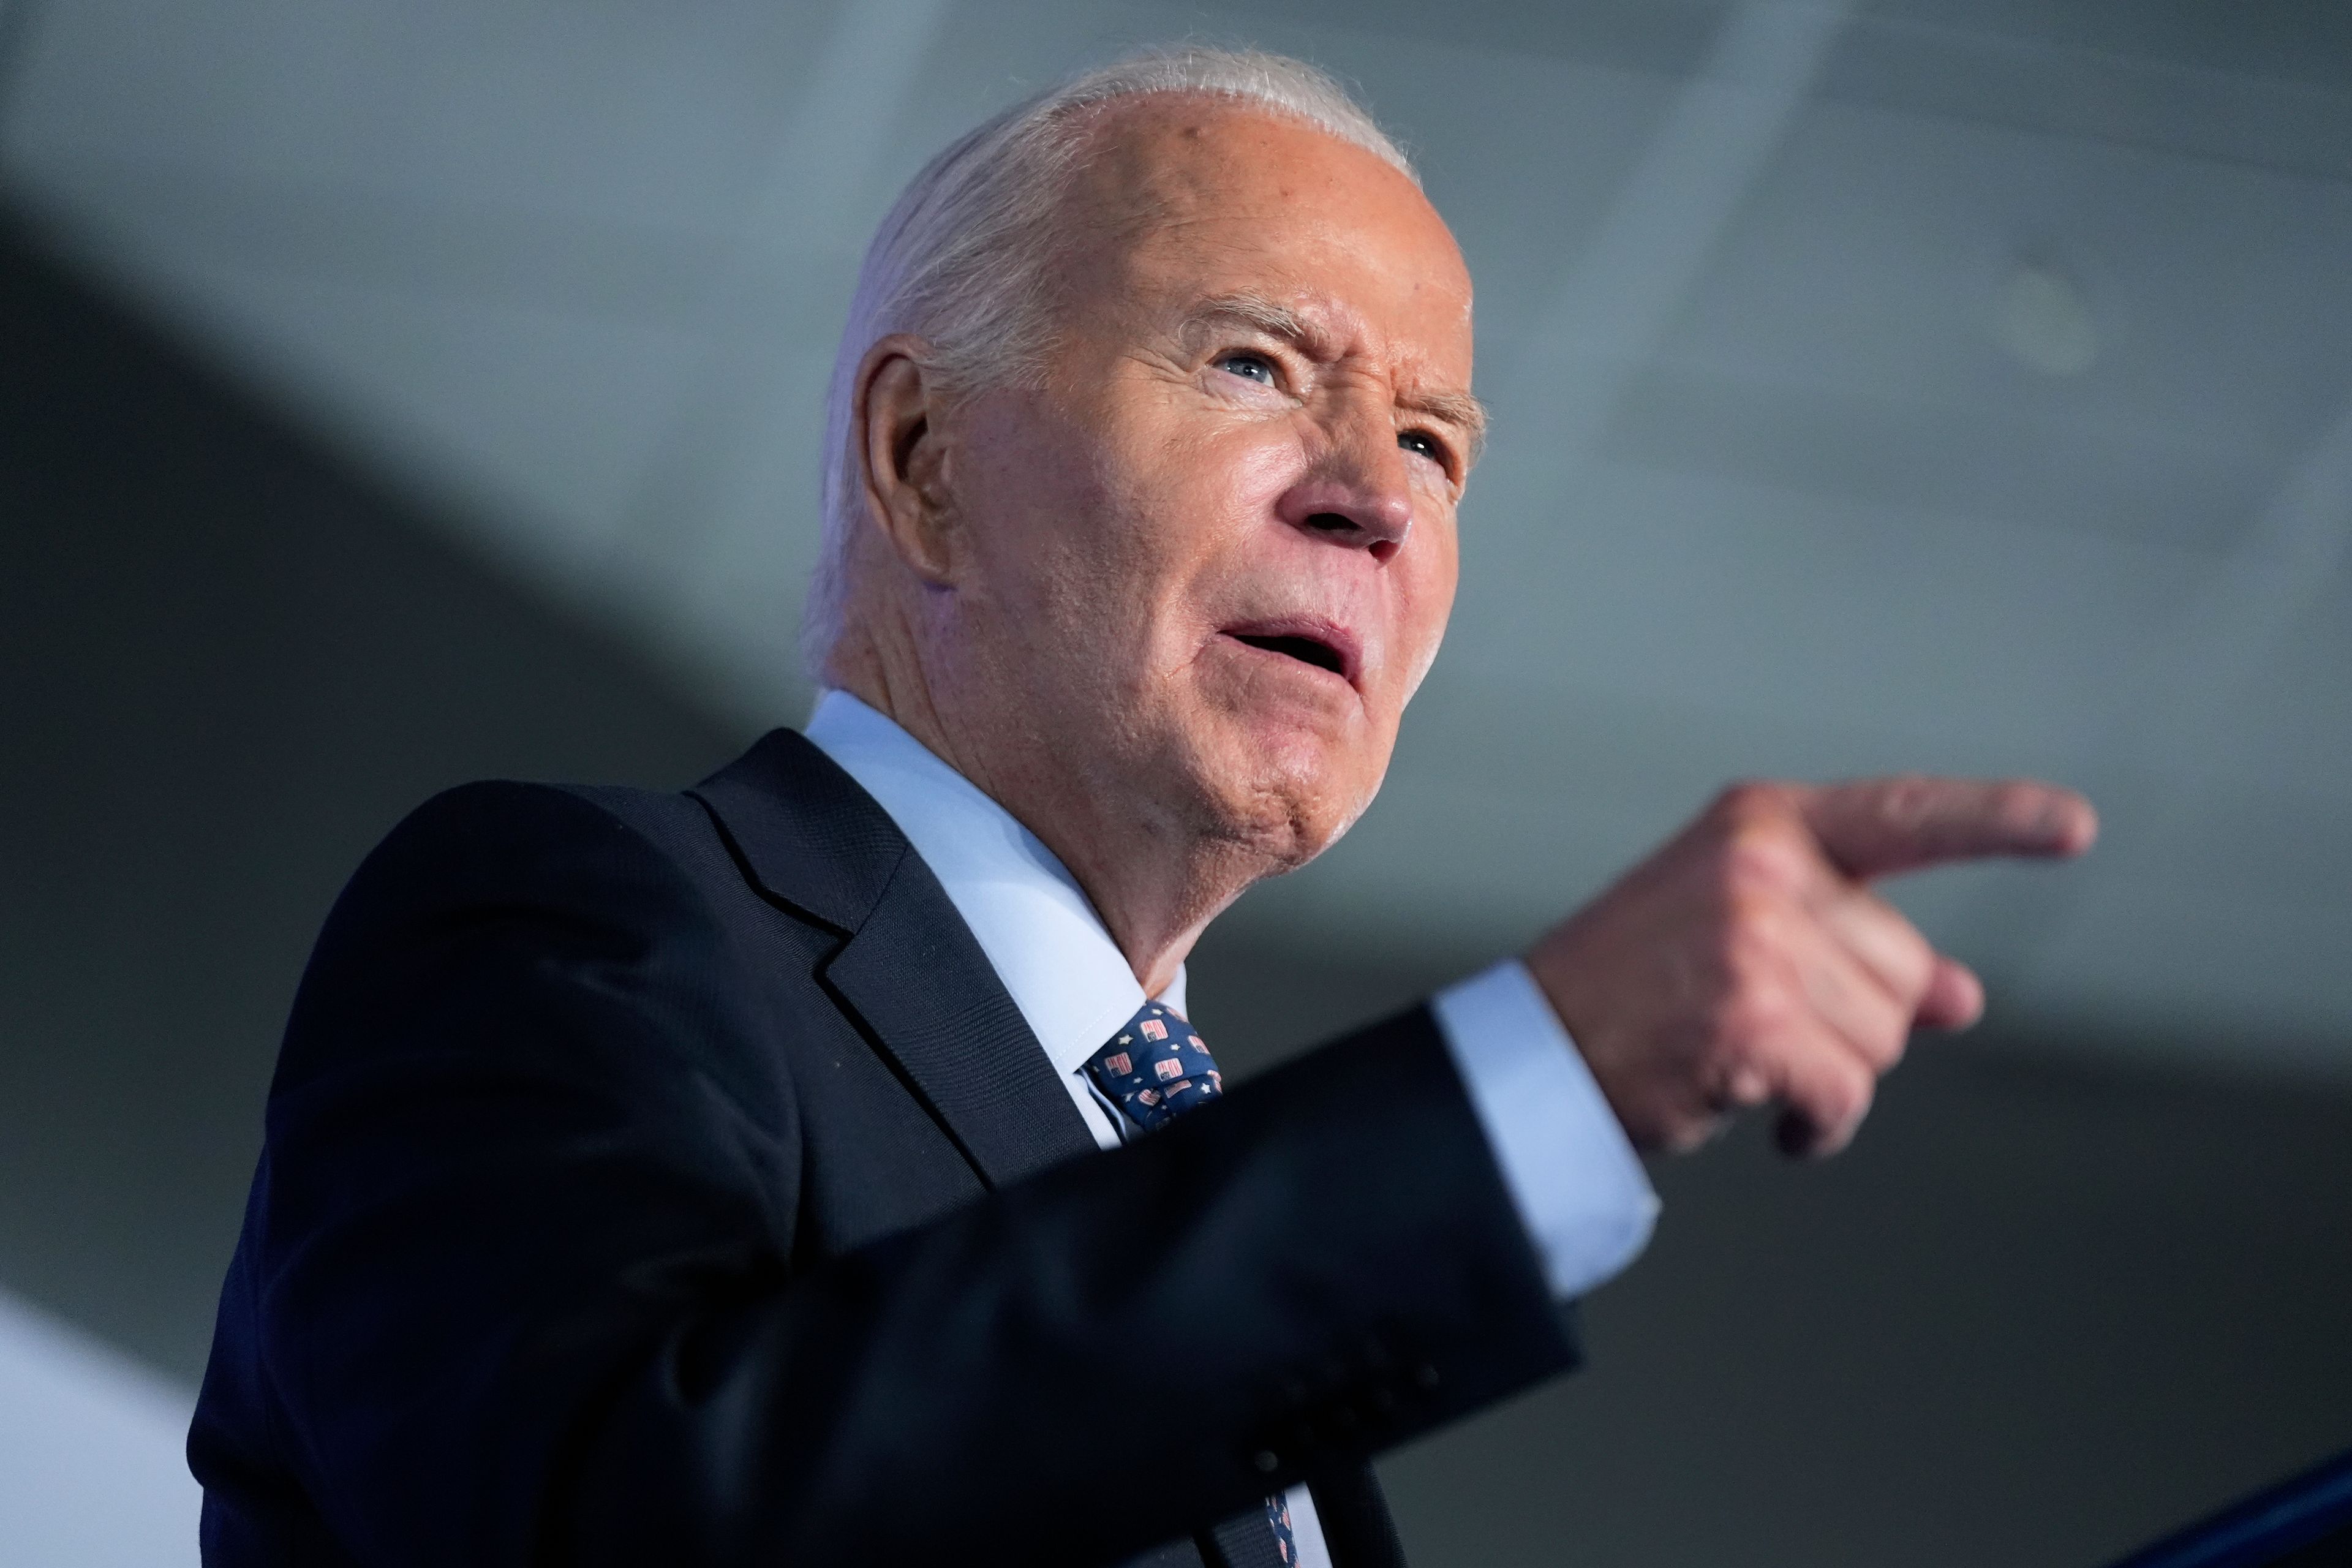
{"x":1250,"y":469}
{"x":1103,"y":542}
{"x":1040,"y":501}
{"x":1425,"y":603}
{"x":1191,"y":515}
{"x":1201,"y":491}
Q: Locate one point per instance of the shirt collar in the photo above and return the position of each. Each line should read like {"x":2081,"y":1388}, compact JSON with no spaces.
{"x":1042,"y":936}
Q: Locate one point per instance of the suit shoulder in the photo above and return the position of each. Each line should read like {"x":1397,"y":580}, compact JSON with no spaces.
{"x":566,"y":869}
{"x":530,"y":811}
{"x":530,"y":903}
{"x":517,"y":826}
{"x":501,"y":837}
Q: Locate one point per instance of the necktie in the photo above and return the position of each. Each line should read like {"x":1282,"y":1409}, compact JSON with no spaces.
{"x":1155,"y":1070}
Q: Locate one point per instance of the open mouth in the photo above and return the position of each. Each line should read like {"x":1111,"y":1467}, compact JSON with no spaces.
{"x":1310,"y":640}
{"x":1307,"y":651}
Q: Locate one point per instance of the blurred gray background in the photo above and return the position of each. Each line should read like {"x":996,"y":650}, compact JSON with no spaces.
{"x":399,"y":394}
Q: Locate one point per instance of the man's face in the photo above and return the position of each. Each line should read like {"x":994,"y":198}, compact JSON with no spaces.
{"x":1207,"y":564}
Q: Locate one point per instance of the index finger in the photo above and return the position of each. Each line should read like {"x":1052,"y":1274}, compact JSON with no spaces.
{"x":1874,"y":828}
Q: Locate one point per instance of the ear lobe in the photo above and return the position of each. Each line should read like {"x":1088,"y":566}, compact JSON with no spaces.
{"x":902,"y":456}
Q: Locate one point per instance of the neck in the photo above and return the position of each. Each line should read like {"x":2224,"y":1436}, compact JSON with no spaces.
{"x":1155,"y":883}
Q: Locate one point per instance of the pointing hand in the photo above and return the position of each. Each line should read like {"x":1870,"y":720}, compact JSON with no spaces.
{"x":1748,"y":961}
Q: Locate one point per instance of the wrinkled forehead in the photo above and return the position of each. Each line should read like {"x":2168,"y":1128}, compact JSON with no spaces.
{"x":1177,"y":190}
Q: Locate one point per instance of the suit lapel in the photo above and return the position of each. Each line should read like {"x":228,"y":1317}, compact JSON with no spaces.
{"x":909,"y":972}
{"x":918,"y":979}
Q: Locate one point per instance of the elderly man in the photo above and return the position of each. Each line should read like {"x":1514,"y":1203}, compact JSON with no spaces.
{"x":698,"y":1178}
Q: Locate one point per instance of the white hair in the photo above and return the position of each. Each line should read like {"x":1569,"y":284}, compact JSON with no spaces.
{"x":960,"y":260}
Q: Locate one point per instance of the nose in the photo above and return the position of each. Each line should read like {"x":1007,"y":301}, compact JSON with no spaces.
{"x":1357,"y":493}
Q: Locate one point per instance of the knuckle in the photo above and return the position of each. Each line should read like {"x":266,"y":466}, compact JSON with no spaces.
{"x":1842,"y":1096}
{"x":1896,"y":951}
{"x":1746,"y":937}
{"x":1735,"y":1080}
{"x":1882,"y":1047}
{"x":1911,"y":962}
{"x":1906,"y":799}
{"x":1764,"y":856}
{"x":1859,"y":1086}
{"x":1755,"y":1015}
{"x":1736,"y":1027}
{"x":1719,"y":959}
{"x":1747,"y":800}
{"x":1915,"y":952}
{"x":1752,"y":998}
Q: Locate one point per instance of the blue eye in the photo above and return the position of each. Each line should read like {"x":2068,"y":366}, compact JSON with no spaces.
{"x":1422,"y":444}
{"x":1249,"y":367}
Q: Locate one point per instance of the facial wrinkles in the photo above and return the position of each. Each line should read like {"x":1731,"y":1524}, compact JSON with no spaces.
{"x":1079,"y":563}
{"x":1234,"y":473}
{"x":1352,"y":443}
{"x":1163,"y":530}
{"x":1389,"y":384}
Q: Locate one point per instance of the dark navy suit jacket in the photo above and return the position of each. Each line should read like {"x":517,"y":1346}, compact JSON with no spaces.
{"x":667,"y":1179}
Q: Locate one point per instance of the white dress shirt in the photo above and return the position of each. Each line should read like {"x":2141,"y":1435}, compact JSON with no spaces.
{"x":1577,"y":1184}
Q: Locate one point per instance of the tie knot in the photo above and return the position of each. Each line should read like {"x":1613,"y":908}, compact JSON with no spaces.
{"x":1155,"y":1067}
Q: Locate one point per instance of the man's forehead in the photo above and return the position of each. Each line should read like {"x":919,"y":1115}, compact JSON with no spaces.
{"x":1168,"y":160}
{"x":1324,"y":326}
{"x":1207,"y":211}
{"x":1174,"y":165}
{"x":1162,"y":148}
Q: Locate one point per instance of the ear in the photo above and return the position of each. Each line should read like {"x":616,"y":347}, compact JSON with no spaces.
{"x":903,"y":455}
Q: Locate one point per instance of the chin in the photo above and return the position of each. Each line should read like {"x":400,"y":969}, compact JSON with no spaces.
{"x":1288,"y":794}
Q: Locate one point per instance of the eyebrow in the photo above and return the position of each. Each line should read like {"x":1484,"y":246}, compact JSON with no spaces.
{"x":1459,"y":409}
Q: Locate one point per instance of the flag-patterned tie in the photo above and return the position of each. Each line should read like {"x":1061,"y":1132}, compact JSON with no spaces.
{"x":1155,"y":1070}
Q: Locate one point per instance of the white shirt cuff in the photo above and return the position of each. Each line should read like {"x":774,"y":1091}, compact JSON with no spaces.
{"x":1579,"y":1186}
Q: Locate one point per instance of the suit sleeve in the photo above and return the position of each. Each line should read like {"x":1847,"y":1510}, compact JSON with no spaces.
{"x":518,"y":1282}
